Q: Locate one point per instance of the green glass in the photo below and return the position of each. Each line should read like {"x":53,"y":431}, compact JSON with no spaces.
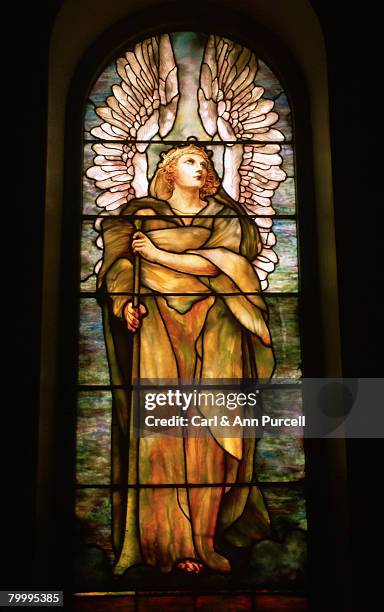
{"x":93,"y":366}
{"x":284,"y":324}
{"x":285,"y":277}
{"x":93,"y":437}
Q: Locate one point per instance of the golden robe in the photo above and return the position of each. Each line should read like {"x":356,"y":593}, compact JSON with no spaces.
{"x":217,"y":331}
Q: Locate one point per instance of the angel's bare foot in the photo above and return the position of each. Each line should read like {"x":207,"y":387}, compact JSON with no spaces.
{"x":191,"y":566}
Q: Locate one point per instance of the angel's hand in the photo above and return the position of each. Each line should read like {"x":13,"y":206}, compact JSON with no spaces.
{"x":143,"y":245}
{"x":134,"y":316}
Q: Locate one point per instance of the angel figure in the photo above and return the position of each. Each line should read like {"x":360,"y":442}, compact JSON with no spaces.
{"x":204,"y":261}
{"x":201,"y":317}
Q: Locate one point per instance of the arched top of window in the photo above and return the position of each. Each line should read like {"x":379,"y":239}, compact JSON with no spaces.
{"x":198,"y":113}
{"x":185,"y":87}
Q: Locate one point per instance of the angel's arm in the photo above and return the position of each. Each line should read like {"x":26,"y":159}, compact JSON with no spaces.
{"x":181,"y":262}
{"x":185,"y":262}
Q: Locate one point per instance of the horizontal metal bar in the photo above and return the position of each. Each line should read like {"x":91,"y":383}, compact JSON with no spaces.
{"x":94,"y":294}
{"x":272,"y":484}
{"x":288,"y":216}
{"x":142,"y":595}
{"x":187,"y":142}
{"x":295,"y":384}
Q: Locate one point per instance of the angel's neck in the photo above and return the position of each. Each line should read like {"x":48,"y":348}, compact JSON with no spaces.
{"x":186,"y":200}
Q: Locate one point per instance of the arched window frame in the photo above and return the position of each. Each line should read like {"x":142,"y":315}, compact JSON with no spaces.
{"x":286,"y":69}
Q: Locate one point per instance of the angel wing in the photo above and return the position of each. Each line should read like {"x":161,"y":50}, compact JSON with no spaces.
{"x":143,"y":105}
{"x":232,"y":108}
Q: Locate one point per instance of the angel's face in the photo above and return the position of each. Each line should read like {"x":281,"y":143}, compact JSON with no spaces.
{"x":191,"y":171}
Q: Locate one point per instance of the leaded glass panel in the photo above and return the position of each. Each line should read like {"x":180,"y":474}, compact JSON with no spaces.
{"x":189,"y":273}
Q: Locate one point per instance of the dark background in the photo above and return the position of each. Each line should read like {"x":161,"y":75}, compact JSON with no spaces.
{"x":354,"y":74}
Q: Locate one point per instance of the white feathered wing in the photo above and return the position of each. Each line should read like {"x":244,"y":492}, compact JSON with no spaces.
{"x":143,"y":105}
{"x":233,"y":109}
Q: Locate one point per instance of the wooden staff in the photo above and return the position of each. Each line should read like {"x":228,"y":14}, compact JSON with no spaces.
{"x":136,"y":306}
{"x":136,"y":271}
{"x":130,"y":553}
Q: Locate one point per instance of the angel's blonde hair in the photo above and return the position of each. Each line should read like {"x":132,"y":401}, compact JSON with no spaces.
{"x":163,"y":181}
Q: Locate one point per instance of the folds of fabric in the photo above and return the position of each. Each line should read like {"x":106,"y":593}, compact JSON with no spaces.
{"x":213,"y":328}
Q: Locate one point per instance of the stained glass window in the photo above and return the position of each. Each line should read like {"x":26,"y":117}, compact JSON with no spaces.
{"x":189,"y":278}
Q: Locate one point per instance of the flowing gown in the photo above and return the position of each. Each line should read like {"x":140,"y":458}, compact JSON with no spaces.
{"x":218,"y":331}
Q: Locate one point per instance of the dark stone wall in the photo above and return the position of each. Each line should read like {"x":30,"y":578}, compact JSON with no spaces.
{"x":353,"y":54}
